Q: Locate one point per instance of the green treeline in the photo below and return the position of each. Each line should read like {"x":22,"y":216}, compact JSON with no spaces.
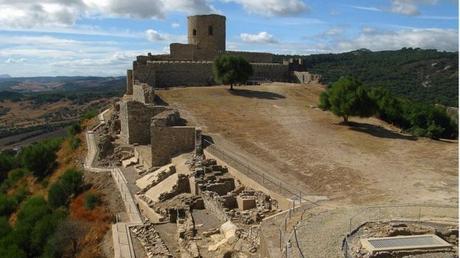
{"x":423,"y":75}
{"x":40,"y":223}
{"x":349,"y":97}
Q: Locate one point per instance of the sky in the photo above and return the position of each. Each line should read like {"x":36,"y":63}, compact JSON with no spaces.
{"x":103,"y":37}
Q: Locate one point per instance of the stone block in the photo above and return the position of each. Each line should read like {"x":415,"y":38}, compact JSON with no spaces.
{"x":246,"y":202}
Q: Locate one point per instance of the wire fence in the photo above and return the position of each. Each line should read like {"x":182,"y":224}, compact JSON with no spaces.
{"x":304,"y":233}
{"x":285,"y":221}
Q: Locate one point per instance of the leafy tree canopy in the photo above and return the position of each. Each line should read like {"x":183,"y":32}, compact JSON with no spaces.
{"x":230,"y":69}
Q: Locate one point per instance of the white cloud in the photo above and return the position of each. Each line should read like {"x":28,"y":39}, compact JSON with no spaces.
{"x":29,"y":13}
{"x":261,"y":37}
{"x":405,"y":7}
{"x":175,"y":25}
{"x":153,"y":35}
{"x":15,"y":60}
{"x":432,"y":38}
{"x":273,"y":7}
{"x":333,"y":32}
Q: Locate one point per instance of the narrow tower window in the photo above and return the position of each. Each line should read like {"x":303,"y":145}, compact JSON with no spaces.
{"x":210,"y":30}
{"x":194,"y":32}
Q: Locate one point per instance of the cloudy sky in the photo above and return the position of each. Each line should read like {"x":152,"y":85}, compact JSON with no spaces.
{"x":102,"y":37}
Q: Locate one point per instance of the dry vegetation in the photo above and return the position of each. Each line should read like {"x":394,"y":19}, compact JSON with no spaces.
{"x":278,"y":127}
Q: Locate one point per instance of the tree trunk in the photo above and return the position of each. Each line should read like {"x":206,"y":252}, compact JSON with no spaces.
{"x":345,"y":119}
{"x":231,"y":86}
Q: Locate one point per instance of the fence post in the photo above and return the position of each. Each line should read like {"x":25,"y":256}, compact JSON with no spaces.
{"x":281,"y":241}
{"x":419,"y":213}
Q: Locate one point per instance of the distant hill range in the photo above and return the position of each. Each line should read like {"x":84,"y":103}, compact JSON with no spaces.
{"x":424,"y":75}
{"x":5,"y":76}
{"x":59,"y":83}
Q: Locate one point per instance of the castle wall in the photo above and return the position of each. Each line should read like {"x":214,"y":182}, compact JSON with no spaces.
{"x":168,"y":141}
{"x":188,"y":73}
{"x":253,"y":57}
{"x":305,"y":77}
{"x":143,"y":93}
{"x":129,"y":82}
{"x":271,"y":72}
{"x":135,"y":118}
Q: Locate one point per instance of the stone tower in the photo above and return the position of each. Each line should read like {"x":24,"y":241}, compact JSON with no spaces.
{"x":207,"y":31}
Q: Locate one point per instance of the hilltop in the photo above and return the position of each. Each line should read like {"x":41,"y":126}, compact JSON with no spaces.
{"x":424,"y":75}
{"x":278,"y":128}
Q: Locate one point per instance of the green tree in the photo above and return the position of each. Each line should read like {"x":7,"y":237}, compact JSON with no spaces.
{"x":57,"y":196}
{"x":229,"y":69}
{"x":68,"y":184}
{"x":348,"y":97}
{"x":40,"y":157}
{"x":7,"y":162}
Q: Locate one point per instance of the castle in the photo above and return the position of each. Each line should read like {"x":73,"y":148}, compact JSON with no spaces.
{"x":156,"y":131}
{"x":191,"y":64}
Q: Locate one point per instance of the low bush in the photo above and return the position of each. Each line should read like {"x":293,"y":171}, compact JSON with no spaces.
{"x":91,"y":200}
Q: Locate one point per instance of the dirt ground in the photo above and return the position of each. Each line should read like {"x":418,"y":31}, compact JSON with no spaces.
{"x":278,"y":127}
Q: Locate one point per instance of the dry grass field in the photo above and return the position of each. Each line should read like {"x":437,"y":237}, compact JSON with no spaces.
{"x":279,"y":128}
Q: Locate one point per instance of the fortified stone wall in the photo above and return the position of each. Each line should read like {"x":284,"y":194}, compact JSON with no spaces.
{"x":129,"y":82}
{"x":187,"y":73}
{"x":135,"y":120}
{"x":253,"y":57}
{"x":143,"y":93}
{"x":271,"y":72}
{"x":167,"y":141}
{"x":305,"y":77}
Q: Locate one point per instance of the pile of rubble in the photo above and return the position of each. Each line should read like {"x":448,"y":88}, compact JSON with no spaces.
{"x":150,"y":240}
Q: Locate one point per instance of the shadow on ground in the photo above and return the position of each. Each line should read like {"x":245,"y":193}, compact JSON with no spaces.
{"x":207,"y":140}
{"x":378,"y":131}
{"x":256,"y":94}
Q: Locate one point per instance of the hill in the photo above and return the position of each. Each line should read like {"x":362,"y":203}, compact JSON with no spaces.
{"x":423,"y":75}
{"x":276,"y":127}
{"x":34,"y":105}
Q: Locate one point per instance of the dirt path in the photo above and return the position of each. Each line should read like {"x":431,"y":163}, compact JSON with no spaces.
{"x":278,"y":125}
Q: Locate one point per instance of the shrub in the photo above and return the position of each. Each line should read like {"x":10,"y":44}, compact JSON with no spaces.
{"x":7,"y":162}
{"x":7,"y":205}
{"x":91,"y":201}
{"x":74,"y":142}
{"x":40,"y":157}
{"x":74,"y":129}
{"x":88,"y":114}
{"x":57,"y":196}
{"x":5,"y":227}
{"x":68,"y":184}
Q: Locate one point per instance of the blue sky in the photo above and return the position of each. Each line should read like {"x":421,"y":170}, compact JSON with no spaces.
{"x":102,"y":37}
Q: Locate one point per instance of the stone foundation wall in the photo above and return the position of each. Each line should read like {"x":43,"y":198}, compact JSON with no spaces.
{"x":212,"y":204}
{"x":168,"y":141}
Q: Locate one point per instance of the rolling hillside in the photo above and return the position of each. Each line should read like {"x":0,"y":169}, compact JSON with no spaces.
{"x":423,"y":75}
